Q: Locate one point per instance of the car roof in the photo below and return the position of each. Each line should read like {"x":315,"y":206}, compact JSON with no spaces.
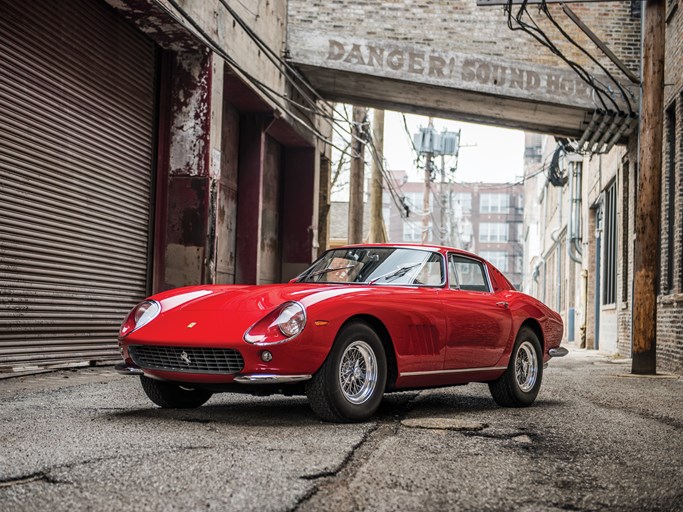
{"x":430,"y":247}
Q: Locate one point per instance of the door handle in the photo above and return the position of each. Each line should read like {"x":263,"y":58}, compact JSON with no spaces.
{"x":502,"y":304}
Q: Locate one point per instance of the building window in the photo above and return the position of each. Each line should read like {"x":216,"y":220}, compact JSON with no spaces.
{"x":670,"y":198}
{"x":498,"y":259}
{"x":518,"y":264}
{"x":415,"y":201}
{"x":494,"y":203}
{"x":517,"y":232}
{"x":464,"y":200}
{"x":493,"y":232}
{"x":609,"y":286}
{"x":412,"y":232}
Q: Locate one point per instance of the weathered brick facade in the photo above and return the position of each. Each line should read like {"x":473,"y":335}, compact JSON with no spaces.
{"x":670,"y":300}
{"x":612,"y":332}
{"x":456,"y":59}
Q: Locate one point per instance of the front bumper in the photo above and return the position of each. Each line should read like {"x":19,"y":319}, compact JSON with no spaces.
{"x":265,"y":378}
{"x":251,"y":378}
{"x":127,"y":369}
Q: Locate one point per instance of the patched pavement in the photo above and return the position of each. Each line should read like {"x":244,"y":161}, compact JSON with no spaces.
{"x":596,"y":439}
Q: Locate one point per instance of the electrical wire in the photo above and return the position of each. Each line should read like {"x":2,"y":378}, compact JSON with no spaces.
{"x":537,"y":33}
{"x":267,"y":91}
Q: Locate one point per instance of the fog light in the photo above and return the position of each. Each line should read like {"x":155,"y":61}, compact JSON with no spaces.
{"x":266,"y":356}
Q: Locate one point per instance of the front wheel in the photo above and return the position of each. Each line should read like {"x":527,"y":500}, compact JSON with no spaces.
{"x":172,"y":396}
{"x":519,"y":385}
{"x":350,"y":384}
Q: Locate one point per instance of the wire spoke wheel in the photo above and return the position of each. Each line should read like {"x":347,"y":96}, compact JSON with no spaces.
{"x":358,"y":372}
{"x":519,"y":385}
{"x":526,"y":366}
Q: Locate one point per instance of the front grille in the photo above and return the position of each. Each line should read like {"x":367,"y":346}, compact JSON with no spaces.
{"x":183,"y":359}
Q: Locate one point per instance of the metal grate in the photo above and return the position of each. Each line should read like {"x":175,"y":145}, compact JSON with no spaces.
{"x":184,"y":359}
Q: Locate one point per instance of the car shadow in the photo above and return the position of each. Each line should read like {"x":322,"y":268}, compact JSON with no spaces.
{"x":442,"y":402}
{"x":242,"y":410}
{"x":280,"y":411}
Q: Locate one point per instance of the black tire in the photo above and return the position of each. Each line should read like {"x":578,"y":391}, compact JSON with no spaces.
{"x":525,"y":365}
{"x":172,"y":396}
{"x":356,"y":350}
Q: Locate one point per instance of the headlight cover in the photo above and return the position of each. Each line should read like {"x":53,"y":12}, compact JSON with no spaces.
{"x":282,"y":324}
{"x":140,"y":315}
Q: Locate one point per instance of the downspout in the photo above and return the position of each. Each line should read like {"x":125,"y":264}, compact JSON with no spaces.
{"x":555,"y":236}
{"x":574,"y":228}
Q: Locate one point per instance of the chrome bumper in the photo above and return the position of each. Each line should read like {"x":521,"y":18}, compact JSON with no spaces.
{"x":124,"y":369}
{"x":558,"y":352}
{"x":266,"y":378}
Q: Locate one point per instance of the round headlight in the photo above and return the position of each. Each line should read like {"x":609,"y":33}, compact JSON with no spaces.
{"x":280,"y":325}
{"x":291,"y":319}
{"x":140,"y":315}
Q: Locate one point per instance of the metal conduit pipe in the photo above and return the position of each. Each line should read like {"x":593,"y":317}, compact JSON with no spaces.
{"x":555,"y":236}
{"x":574,"y":238}
{"x":611,"y":130}
{"x":626,"y":123}
{"x":600,"y":129}
{"x":591,"y":126}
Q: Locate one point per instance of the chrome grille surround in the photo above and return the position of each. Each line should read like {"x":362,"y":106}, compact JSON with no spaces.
{"x":175,"y":359}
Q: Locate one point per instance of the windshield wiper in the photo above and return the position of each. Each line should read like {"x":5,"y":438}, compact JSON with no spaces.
{"x":399,"y":272}
{"x":326,"y":270}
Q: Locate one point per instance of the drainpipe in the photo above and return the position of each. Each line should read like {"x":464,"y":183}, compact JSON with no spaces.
{"x":574,"y":228}
{"x":555,"y":236}
{"x":598,"y":272}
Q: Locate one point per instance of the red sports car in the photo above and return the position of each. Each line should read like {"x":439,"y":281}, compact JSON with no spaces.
{"x":362,"y":321}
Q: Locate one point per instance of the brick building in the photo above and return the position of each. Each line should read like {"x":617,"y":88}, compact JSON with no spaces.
{"x":584,"y":263}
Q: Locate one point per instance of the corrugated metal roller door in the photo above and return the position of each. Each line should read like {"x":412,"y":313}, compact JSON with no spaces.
{"x":76,"y":130}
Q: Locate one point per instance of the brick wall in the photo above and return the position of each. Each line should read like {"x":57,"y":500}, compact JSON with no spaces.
{"x":459,"y":25}
{"x":670,"y":302}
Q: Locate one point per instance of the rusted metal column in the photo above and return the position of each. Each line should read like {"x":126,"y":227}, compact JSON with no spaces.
{"x":357,"y":178}
{"x":376,"y":231}
{"x":646,"y":264}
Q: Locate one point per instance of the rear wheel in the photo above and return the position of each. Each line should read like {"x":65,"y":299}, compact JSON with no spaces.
{"x":519,"y":385}
{"x":172,"y":396}
{"x":350,"y":384}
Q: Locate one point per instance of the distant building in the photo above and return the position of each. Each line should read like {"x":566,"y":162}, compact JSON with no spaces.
{"x":484,"y":218}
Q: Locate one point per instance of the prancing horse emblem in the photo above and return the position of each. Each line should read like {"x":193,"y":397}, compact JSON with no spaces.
{"x":185,"y":358}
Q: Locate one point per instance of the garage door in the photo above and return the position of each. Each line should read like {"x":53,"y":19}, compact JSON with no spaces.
{"x":77,"y":91}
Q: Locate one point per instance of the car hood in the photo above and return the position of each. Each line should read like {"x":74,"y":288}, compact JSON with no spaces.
{"x":251,"y":299}
{"x":215,"y":313}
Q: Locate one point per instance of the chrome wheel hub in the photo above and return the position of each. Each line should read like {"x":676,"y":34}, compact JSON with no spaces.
{"x":526,"y":366}
{"x":358,"y":372}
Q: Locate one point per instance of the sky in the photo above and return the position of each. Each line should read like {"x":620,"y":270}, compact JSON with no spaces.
{"x":487,"y":153}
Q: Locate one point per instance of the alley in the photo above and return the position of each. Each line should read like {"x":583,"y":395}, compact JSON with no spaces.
{"x":596,"y":439}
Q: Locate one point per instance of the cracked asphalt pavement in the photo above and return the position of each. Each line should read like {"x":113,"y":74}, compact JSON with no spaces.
{"x":597,"y":438}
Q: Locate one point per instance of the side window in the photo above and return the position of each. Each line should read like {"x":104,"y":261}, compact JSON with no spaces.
{"x":469,"y":273}
{"x":431,"y":272}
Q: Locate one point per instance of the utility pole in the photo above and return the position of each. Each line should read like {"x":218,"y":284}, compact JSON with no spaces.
{"x":425,"y":197}
{"x":376,"y":221}
{"x":646,"y":264}
{"x":357,"y":178}
{"x":443,"y":230}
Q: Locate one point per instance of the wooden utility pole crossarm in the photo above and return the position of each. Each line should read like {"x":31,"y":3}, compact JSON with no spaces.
{"x":646,"y":264}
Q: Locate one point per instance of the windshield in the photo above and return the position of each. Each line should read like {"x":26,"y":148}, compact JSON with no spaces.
{"x":377,"y":266}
